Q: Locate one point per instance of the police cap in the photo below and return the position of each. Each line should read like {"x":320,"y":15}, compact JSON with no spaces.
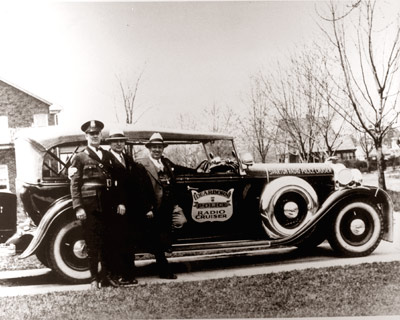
{"x":92,"y":126}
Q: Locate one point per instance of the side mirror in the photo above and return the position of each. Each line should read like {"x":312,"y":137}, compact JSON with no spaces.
{"x":247,"y":159}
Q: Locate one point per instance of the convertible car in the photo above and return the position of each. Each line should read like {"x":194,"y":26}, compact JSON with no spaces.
{"x":229,"y":201}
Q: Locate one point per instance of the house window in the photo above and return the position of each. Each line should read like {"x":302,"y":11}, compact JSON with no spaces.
{"x":4,"y":130}
{"x":40,"y":120}
{"x":348,"y":155}
{"x":4,"y":182}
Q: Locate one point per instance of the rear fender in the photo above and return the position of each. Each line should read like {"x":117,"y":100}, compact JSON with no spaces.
{"x":57,"y":210}
{"x":343,"y":196}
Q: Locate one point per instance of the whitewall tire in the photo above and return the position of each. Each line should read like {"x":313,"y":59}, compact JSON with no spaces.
{"x":356,"y":230}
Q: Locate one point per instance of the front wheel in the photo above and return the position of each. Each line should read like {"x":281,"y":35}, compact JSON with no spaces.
{"x":67,"y":252}
{"x":42,"y":254}
{"x":356,"y":230}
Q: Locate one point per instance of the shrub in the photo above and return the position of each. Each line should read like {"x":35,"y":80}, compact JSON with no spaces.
{"x":357,"y":164}
{"x":395,"y":195}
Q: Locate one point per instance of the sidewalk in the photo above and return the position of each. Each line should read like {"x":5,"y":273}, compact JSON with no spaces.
{"x":272,"y":261}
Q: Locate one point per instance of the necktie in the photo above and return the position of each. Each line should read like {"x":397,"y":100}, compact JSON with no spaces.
{"x":121,"y":158}
{"x":99,"y":153}
{"x":160,"y":165}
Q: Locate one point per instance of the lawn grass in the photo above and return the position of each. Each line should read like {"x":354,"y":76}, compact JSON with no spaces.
{"x":363,"y":290}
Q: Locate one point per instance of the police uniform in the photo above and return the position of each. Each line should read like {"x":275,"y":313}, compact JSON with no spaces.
{"x":90,"y":187}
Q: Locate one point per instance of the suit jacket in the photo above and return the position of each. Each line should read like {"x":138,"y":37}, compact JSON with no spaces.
{"x":154,"y":178}
{"x":90,"y":180}
{"x":132,"y":187}
{"x":170,"y":168}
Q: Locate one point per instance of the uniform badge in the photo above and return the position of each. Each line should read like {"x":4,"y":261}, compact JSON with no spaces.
{"x":71,"y":172}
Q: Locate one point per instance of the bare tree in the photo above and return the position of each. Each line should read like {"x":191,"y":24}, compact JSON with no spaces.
{"x":304,"y":112}
{"x":330,"y":125}
{"x":129,"y":93}
{"x":256,"y":125}
{"x":369,"y":65}
{"x":367,"y":146}
{"x":219,"y":119}
{"x":187,"y":121}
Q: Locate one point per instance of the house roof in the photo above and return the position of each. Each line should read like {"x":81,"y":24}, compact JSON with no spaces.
{"x":25,"y":91}
{"x":345,"y":143}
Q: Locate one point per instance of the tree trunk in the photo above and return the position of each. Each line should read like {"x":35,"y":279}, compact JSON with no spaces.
{"x":368,"y":165}
{"x":381,"y":168}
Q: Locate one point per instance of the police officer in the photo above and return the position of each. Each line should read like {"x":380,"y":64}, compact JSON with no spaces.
{"x":90,"y":186}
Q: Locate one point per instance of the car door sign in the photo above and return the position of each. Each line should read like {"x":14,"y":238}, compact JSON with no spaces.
{"x":212,"y":205}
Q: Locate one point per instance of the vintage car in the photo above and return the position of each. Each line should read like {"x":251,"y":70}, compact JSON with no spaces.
{"x":230,"y":202}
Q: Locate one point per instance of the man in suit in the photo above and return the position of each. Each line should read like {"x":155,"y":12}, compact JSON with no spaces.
{"x":132,"y":198}
{"x":162,"y":171}
{"x":91,"y":182}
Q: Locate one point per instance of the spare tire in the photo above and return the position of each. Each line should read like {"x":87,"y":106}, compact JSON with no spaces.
{"x":287,"y":204}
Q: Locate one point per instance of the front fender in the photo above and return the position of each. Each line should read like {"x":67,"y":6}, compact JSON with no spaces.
{"x":58,"y":209}
{"x":337,"y":198}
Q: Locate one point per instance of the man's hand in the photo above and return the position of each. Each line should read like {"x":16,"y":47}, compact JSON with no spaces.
{"x":121,"y":209}
{"x":80,"y":214}
{"x":178,"y":217}
{"x":150,"y":215}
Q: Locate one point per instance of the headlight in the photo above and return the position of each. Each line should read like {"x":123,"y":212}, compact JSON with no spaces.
{"x":344,"y":177}
{"x":347,"y":177}
{"x":357,"y":176}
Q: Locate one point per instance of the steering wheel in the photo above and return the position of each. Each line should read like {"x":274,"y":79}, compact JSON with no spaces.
{"x":204,"y":166}
{"x":227,"y":166}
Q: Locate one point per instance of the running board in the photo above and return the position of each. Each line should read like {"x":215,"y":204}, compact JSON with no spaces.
{"x":240,"y":244}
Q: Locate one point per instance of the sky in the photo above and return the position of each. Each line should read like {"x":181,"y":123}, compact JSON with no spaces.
{"x":192,"y":54}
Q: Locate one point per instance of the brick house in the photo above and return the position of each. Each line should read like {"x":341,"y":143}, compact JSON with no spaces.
{"x":19,"y":109}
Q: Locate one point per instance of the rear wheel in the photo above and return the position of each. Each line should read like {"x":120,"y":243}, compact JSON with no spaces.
{"x":356,"y":230}
{"x":67,"y":252}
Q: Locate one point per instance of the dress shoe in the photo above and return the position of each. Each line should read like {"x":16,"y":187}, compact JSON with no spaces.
{"x":94,"y":285}
{"x":127,"y":282}
{"x":109,"y":282}
{"x":168,"y":275}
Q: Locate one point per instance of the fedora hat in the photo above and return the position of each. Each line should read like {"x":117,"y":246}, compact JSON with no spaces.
{"x":92,"y":126}
{"x":115,"y":135}
{"x":155,"y":138}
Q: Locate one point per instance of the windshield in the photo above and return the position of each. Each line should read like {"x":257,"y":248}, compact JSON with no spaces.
{"x":194,"y":153}
{"x":223,"y":149}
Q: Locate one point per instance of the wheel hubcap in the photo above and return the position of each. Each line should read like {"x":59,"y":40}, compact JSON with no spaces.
{"x":79,"y":249}
{"x":291,"y":210}
{"x":357,"y":227}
